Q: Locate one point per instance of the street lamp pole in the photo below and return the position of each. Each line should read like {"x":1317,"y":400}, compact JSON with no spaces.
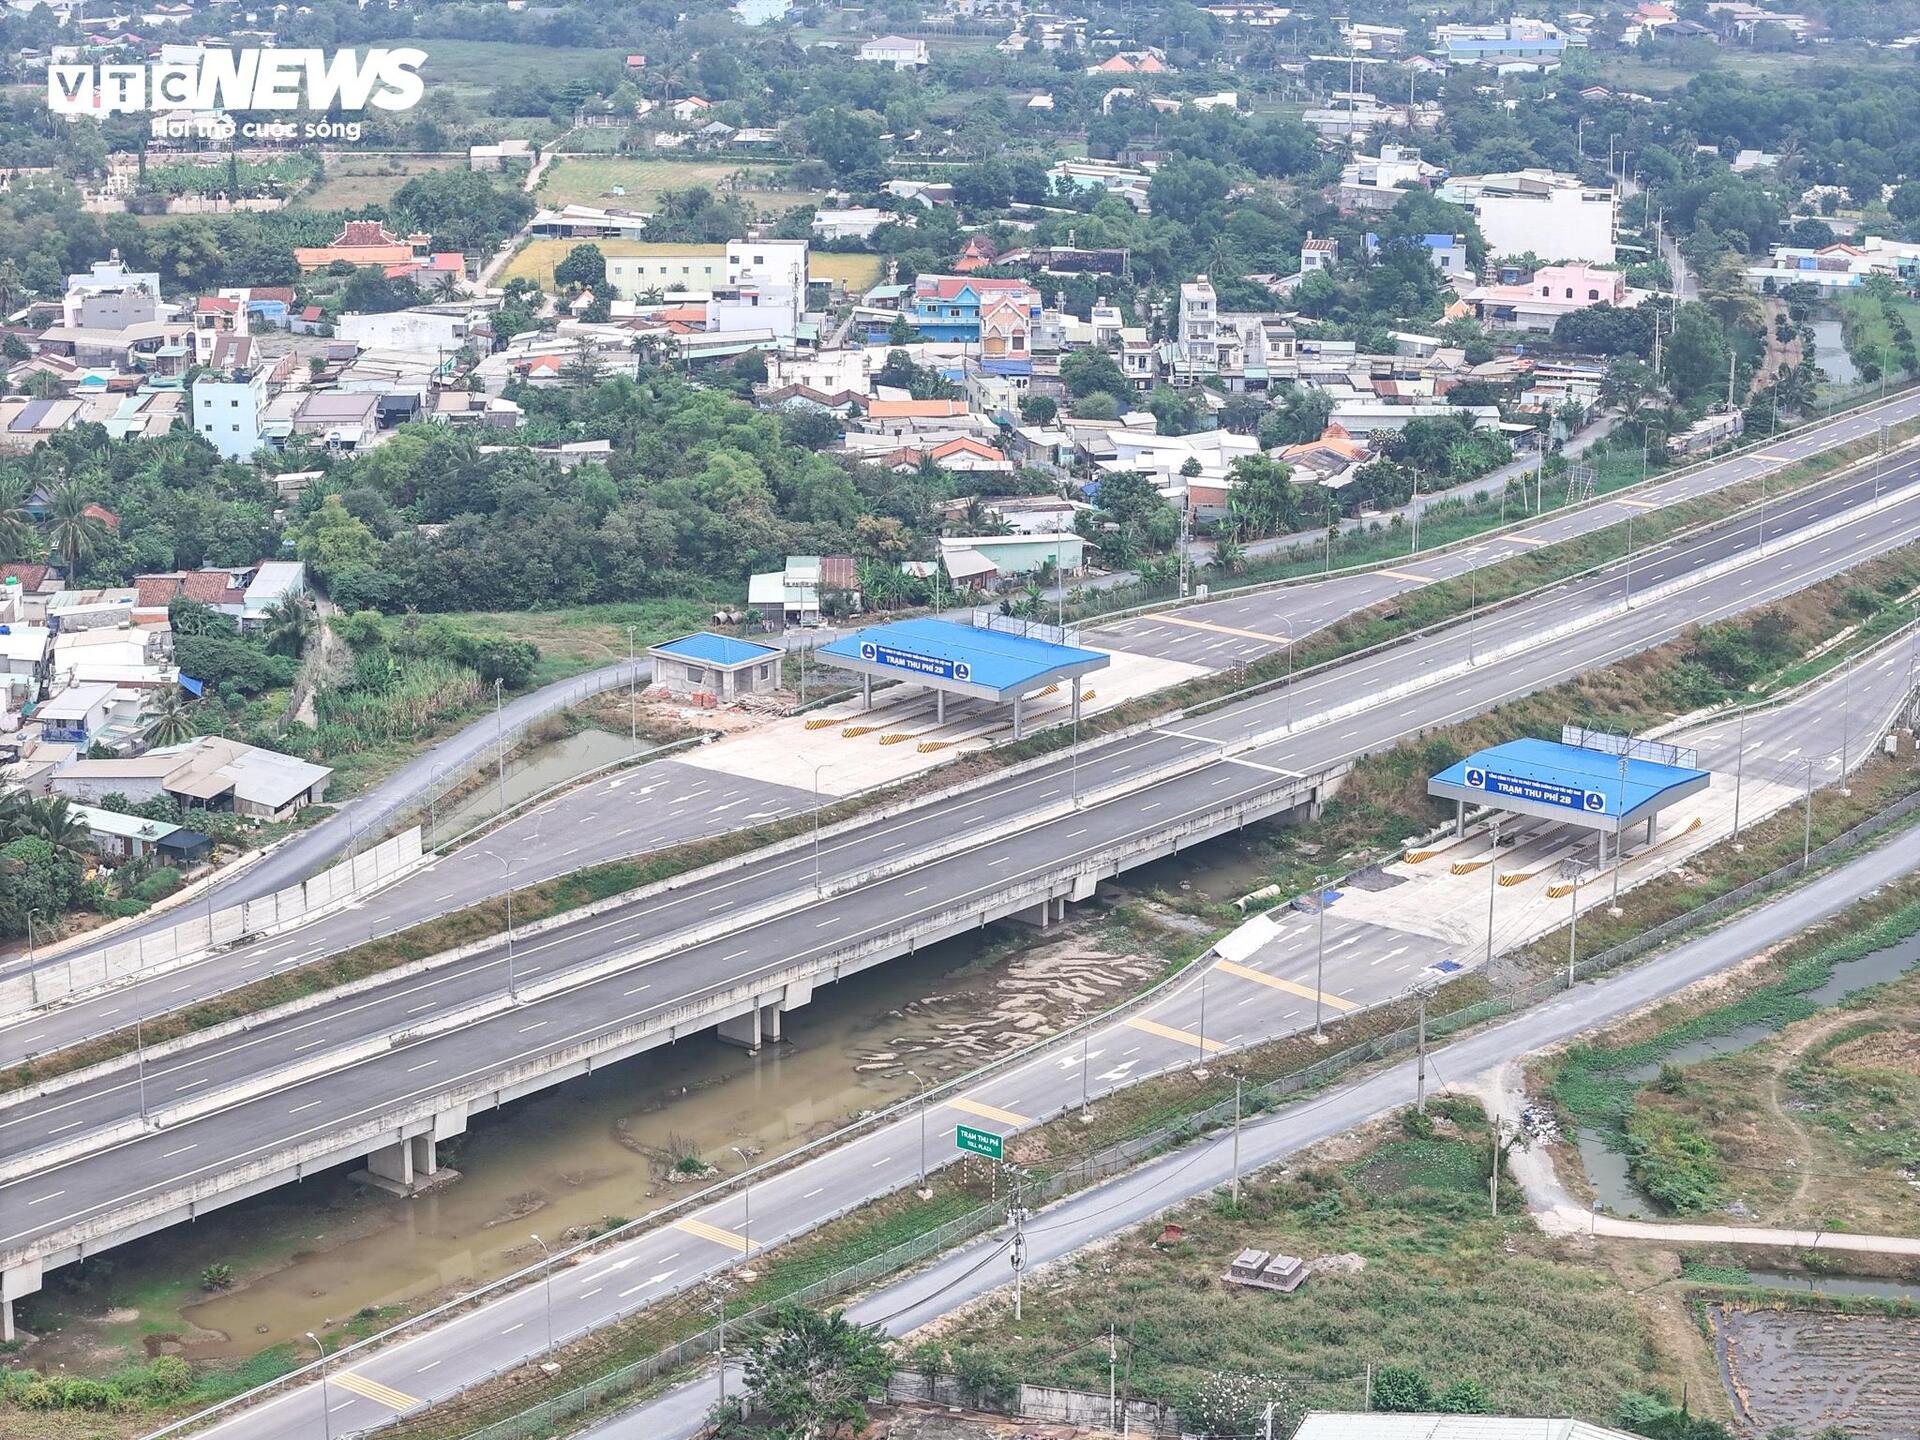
{"x":1320,"y":955}
{"x":923,"y":1127}
{"x":1739,"y":772}
{"x":500,"y":743}
{"x":326,"y":1408}
{"x":1493,"y":884}
{"x":140,"y":1060}
{"x":506,"y":869}
{"x":816,"y":822}
{"x":546,"y":1270}
{"x":746,"y":1192}
{"x":633,"y":695}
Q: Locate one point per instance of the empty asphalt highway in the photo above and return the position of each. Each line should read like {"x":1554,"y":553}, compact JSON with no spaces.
{"x":197,"y":1151}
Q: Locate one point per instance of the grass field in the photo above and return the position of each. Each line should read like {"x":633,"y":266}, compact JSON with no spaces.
{"x":590,"y":636}
{"x":477,"y":66}
{"x":361,"y":180}
{"x":591,"y":180}
{"x":538,"y":257}
{"x":1440,"y":1286}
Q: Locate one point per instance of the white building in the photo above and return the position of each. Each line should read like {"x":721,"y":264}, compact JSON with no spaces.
{"x":897,"y":51}
{"x":1199,"y":327}
{"x":424,"y":330}
{"x":857,"y":223}
{"x":765,"y":288}
{"x":1375,"y":183}
{"x":1541,"y":212}
{"x":227,"y":410}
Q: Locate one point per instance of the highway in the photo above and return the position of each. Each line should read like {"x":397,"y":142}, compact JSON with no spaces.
{"x":56,"y":1197}
{"x":1257,"y":1000}
{"x":685,"y":802}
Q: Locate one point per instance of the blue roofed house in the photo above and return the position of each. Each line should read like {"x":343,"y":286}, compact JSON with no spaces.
{"x":704,"y":663}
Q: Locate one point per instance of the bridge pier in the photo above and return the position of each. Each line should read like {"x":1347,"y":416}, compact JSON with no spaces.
{"x":761,"y":1024}
{"x":411,"y":1165}
{"x":15,"y":1284}
{"x":1050,"y":911}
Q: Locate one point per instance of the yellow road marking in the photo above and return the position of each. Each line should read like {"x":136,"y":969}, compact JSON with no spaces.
{"x":1774,"y":459}
{"x":713,"y":1233}
{"x":1305,"y":992}
{"x":372,"y":1390}
{"x":988,"y":1112}
{"x":1221,"y":629}
{"x":1642,"y":504}
{"x":1169,"y":1032}
{"x":1405,"y":575}
{"x":1523,"y":540}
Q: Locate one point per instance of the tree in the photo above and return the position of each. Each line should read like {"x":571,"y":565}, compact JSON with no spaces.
{"x":289,"y":625}
{"x":585,"y":268}
{"x":847,"y":140}
{"x":16,"y":526}
{"x":167,"y":718}
{"x":1302,"y":415}
{"x":812,"y":1373}
{"x":1696,"y":355}
{"x":1188,"y":190}
{"x":1400,"y":1389}
{"x":330,"y":539}
{"x":1090,"y":371}
{"x":73,"y":532}
{"x":58,"y":824}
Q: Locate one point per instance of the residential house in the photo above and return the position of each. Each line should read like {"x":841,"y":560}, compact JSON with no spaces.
{"x":949,"y":307}
{"x":856,"y":223}
{"x":1553,"y":290}
{"x":209,"y":773}
{"x":1520,"y":38}
{"x":794,"y":593}
{"x":1375,"y":183}
{"x":895,"y":50}
{"x":705,"y":664}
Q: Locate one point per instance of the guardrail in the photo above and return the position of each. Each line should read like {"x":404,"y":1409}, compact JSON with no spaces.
{"x":1097,"y":1165}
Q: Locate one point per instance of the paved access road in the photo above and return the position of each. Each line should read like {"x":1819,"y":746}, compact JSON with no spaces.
{"x":196,"y":1151}
{"x":1095,"y":1215}
{"x":1253,"y":1001}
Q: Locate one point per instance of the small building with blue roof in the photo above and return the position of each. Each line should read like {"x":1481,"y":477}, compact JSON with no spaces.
{"x":993,"y":659}
{"x":1604,"y":788}
{"x":717,"y":665}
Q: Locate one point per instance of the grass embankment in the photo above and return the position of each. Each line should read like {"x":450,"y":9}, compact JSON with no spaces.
{"x":1446,"y":1289}
{"x":588,"y":637}
{"x":1812,"y":1127}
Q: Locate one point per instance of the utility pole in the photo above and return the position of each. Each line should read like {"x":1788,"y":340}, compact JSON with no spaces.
{"x":1084,"y":1098}
{"x":1573,"y":926}
{"x":1113,"y":1417}
{"x":326,"y":1403}
{"x":720,"y":1307}
{"x":1420,"y":1052}
{"x":1846,"y":719}
{"x":1493,"y":1181}
{"x":1018,"y":1258}
{"x":546,"y":1271}
{"x":1236,"y":1142}
{"x":1806,"y":852}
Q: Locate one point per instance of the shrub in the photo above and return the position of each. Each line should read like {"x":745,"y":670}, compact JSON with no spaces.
{"x":1463,"y":1397}
{"x":1400,"y":1389}
{"x":984,"y":1376}
{"x":217,"y":1276}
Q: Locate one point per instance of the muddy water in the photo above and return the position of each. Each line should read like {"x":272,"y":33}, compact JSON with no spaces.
{"x":1607,"y":1167}
{"x":548,"y":765}
{"x":601,"y":1146}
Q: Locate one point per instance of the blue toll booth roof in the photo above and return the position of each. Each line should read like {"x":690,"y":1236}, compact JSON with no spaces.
{"x":712,"y":649}
{"x":939,"y":651}
{"x":1544,"y":777}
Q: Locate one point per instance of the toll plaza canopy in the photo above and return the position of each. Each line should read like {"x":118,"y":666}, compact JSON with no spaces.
{"x":1597,"y":789}
{"x":982,"y":661}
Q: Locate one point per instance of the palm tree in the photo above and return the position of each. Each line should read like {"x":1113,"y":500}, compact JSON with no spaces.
{"x":13,"y":815}
{"x":70,"y":529}
{"x":289,"y":625}
{"x":16,"y":525}
{"x":447,"y":287}
{"x":168,"y":718}
{"x":10,"y":286}
{"x":54,"y":821}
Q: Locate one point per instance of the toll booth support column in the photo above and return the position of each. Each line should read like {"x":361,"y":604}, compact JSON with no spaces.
{"x":1459,"y":819}
{"x":1019,"y":718}
{"x":939,"y":707}
{"x":866,"y":692}
{"x":1075,"y":682}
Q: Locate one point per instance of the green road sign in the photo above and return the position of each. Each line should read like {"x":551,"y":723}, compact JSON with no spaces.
{"x":977,"y":1142}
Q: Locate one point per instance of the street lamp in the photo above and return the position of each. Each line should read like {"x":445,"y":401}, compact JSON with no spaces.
{"x":326,"y":1409}
{"x":1320,"y":958}
{"x":817,"y":768}
{"x":633,"y":694}
{"x":546,"y":1270}
{"x":506,"y":867}
{"x":500,"y":742}
{"x":433,"y":798}
{"x":746,"y":1226}
{"x":923,"y":1126}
